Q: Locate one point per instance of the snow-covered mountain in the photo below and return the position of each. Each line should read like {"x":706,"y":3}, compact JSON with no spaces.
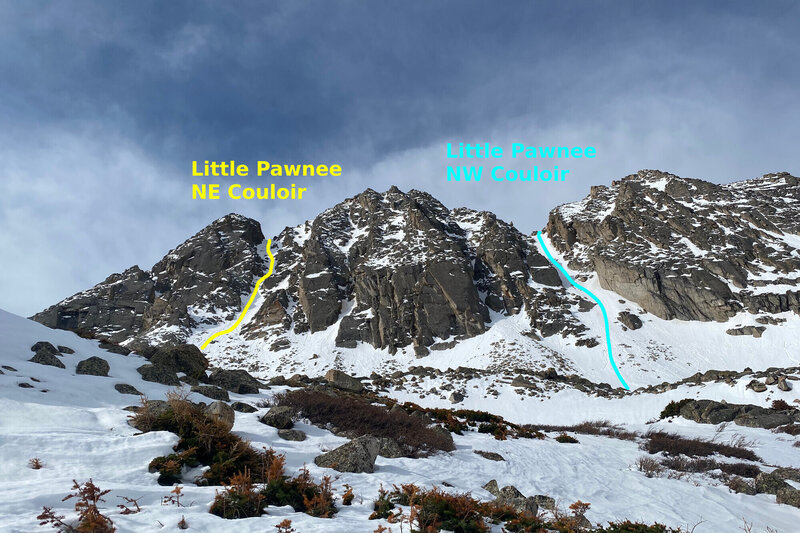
{"x":452,"y":310}
{"x":385,"y":281}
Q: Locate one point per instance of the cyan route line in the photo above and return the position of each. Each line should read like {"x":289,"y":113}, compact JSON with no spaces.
{"x":593,"y":297}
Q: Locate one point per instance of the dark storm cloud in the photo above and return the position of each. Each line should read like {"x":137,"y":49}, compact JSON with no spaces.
{"x":235,"y":79}
{"x":105,"y":104}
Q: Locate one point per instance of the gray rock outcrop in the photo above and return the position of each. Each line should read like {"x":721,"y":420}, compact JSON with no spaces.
{"x":340,"y":380}
{"x":242,"y":407}
{"x":186,"y":358}
{"x":279,"y":417}
{"x":713,"y":412}
{"x":44,"y":358}
{"x":510,"y":496}
{"x":210,"y":391}
{"x":124,"y":388}
{"x":209,"y":272}
{"x":93,"y":366}
{"x":292,"y":434}
{"x":630,"y":320}
{"x":358,"y":455}
{"x":686,"y":248}
{"x":159,"y":374}
{"x":238,"y":381}
{"x":221,"y":412}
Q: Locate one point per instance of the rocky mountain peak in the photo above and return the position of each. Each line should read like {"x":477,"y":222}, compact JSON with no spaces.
{"x":199,"y":282}
{"x":686,"y":248}
{"x":397,"y":269}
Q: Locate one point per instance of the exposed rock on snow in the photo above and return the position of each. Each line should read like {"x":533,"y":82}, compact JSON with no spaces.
{"x":243,"y":407}
{"x":492,"y":456}
{"x":199,"y":282}
{"x":510,"y":496}
{"x":42,"y":357}
{"x":159,"y":374}
{"x":44,"y":347}
{"x":279,"y":417}
{"x":630,"y":320}
{"x":238,"y":381}
{"x":755,"y":331}
{"x":340,"y":380}
{"x":455,"y":397}
{"x":686,"y":248}
{"x":124,"y":388}
{"x":292,"y":434}
{"x":186,"y":358}
{"x":713,"y":412}
{"x":221,"y":412}
{"x":93,"y":366}
{"x":210,"y":391}
{"x":358,"y":455}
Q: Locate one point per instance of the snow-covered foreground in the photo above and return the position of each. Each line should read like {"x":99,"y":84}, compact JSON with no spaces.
{"x":79,"y":430}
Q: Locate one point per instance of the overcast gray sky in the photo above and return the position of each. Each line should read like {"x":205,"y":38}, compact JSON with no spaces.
{"x":103,"y":106}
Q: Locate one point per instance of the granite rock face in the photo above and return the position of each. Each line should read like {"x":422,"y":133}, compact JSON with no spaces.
{"x":199,"y":282}
{"x":394,"y":270}
{"x":397,"y":270}
{"x":686,"y":248}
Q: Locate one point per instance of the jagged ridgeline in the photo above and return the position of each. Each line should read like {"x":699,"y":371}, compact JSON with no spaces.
{"x":686,"y":248}
{"x":390,"y":269}
{"x":399,"y":270}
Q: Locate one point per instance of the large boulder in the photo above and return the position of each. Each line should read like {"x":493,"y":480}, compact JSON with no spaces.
{"x":770,"y":483}
{"x":159,"y":374}
{"x":340,"y":380}
{"x":358,"y":455}
{"x":93,"y":366}
{"x":292,"y":434}
{"x":760,"y":417}
{"x":492,"y":488}
{"x":448,"y":444}
{"x":785,"y":472}
{"x":390,"y":448}
{"x":629,"y":320}
{"x":48,"y":359}
{"x":790,"y":496}
{"x":757,"y":386}
{"x":186,"y":358}
{"x":44,"y":347}
{"x":511,"y":497}
{"x":222,"y":412}
{"x":124,"y":388}
{"x":210,"y":391}
{"x":238,"y":381}
{"x":243,"y":407}
{"x":545,"y":502}
{"x":279,"y":417}
{"x":713,"y":412}
{"x":456,"y":397}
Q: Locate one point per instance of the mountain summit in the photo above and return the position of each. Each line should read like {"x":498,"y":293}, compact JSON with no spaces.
{"x":689,"y":249}
{"x":382,"y":279}
{"x":390,"y":269}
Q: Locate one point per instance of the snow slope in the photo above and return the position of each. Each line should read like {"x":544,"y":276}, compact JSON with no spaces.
{"x":79,"y":429}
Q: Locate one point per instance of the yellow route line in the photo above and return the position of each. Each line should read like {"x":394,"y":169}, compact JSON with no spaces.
{"x":250,"y":301}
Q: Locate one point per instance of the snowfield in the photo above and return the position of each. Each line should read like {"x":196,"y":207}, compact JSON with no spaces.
{"x":79,"y":430}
